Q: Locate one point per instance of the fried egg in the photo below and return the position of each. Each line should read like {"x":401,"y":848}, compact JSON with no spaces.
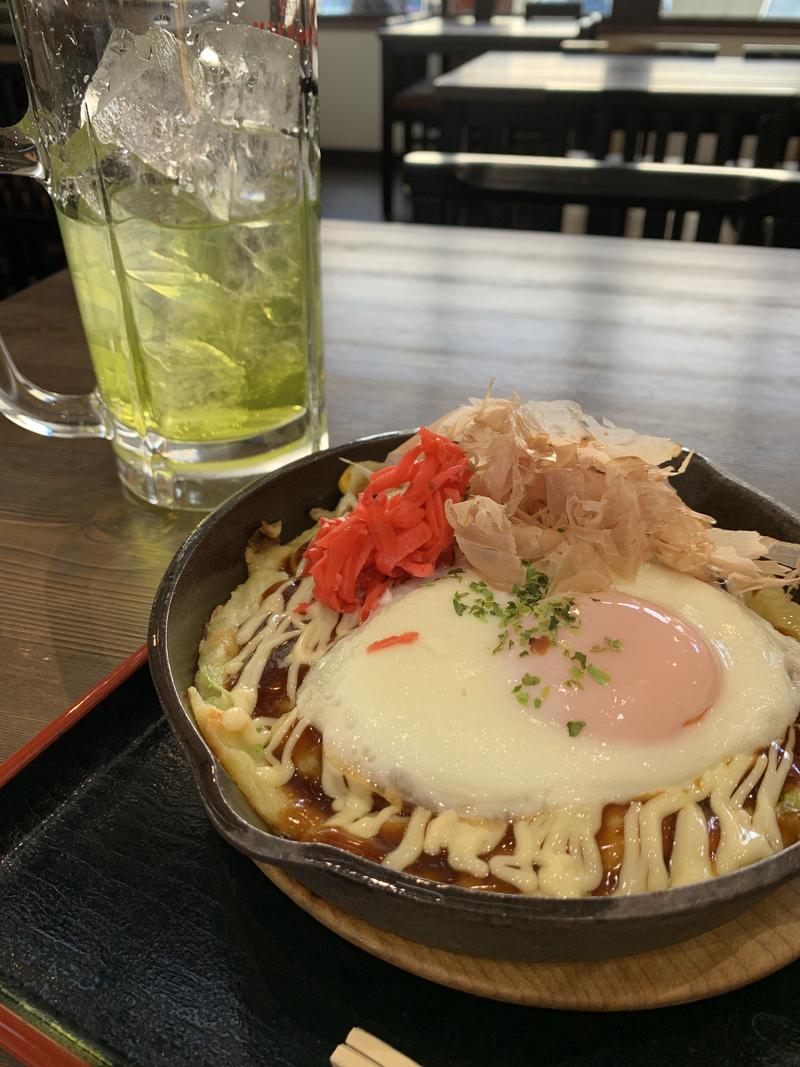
{"x":656,"y":680}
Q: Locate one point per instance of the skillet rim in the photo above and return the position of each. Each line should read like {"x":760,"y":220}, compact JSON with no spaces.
{"x":498,"y":908}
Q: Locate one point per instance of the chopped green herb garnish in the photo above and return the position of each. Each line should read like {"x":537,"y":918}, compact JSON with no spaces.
{"x":574,"y":727}
{"x":611,"y":644}
{"x":601,"y":677}
{"x":528,"y":616}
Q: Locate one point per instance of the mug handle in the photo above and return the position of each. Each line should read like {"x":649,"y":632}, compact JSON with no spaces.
{"x":44,"y":412}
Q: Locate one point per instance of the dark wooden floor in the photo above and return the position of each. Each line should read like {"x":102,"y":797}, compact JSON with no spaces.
{"x":351,"y":188}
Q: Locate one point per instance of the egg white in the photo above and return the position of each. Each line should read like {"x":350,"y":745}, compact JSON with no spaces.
{"x":436,"y":723}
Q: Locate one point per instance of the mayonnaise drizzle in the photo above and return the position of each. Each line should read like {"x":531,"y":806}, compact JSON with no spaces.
{"x":555,"y":853}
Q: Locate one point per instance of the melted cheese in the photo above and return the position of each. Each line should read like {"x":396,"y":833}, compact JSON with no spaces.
{"x":555,"y":852}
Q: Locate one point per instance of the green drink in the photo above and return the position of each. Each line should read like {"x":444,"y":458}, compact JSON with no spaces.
{"x":180,"y":146}
{"x":198,"y":329}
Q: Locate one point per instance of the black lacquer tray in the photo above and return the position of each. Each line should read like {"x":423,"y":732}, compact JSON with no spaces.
{"x":130,"y":933}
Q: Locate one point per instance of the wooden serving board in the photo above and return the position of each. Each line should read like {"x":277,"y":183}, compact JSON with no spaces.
{"x":750,"y":947}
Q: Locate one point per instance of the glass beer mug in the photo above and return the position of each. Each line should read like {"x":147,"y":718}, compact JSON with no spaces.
{"x":178,"y":142}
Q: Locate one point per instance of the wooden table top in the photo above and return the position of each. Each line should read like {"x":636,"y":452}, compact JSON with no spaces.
{"x":518,"y":76}
{"x":695,"y":341}
{"x":500,"y":26}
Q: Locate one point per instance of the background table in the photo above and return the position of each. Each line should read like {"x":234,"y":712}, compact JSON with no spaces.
{"x":697,"y":341}
{"x":423,"y":36}
{"x":525,"y":76}
{"x":728,"y":96}
{"x":407,"y":44}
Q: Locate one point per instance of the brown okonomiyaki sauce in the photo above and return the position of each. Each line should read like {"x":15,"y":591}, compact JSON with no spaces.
{"x":308,"y":806}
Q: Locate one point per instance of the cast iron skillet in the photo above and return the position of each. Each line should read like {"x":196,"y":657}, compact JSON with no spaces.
{"x":203,"y":573}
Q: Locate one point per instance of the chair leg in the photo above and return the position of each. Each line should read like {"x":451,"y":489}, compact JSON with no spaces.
{"x":786,"y":233}
{"x":428,"y":209}
{"x":631,"y":150}
{"x":694,"y":127}
{"x":606,"y":221}
{"x":600,"y":135}
{"x":387,"y":166}
{"x":387,"y":159}
{"x":727,"y":141}
{"x":773,"y":137}
{"x":655,"y":223}
{"x":708,"y":226}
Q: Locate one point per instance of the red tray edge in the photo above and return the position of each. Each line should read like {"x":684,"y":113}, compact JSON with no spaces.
{"x":18,"y":1037}
{"x":30,"y":1046}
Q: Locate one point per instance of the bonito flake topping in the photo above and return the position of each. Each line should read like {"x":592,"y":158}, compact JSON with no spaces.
{"x":585,"y":501}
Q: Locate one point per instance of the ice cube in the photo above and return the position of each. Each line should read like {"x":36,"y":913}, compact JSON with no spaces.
{"x":216,"y":114}
{"x":114,"y":68}
{"x":245,"y":174}
{"x":252,"y":76}
{"x":145,"y":96}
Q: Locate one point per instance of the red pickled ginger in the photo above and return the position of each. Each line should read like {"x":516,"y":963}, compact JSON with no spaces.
{"x":397,"y":530}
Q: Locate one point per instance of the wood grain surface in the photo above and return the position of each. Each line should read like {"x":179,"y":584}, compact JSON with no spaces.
{"x":513,"y":76}
{"x":740,"y":951}
{"x":700,"y":342}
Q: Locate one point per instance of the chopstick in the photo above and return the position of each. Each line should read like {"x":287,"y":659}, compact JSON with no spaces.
{"x":364,"y":1050}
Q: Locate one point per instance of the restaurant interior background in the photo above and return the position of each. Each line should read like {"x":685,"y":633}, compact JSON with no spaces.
{"x":380,"y":100}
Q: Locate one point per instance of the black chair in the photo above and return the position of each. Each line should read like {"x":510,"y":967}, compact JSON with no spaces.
{"x":30,"y":243}
{"x":760,"y":206}
{"x":697,"y":49}
{"x":771,"y":51}
{"x":418,"y":109}
{"x":639,"y":129}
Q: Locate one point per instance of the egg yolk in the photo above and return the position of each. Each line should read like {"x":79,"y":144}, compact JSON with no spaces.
{"x":657,"y":676}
